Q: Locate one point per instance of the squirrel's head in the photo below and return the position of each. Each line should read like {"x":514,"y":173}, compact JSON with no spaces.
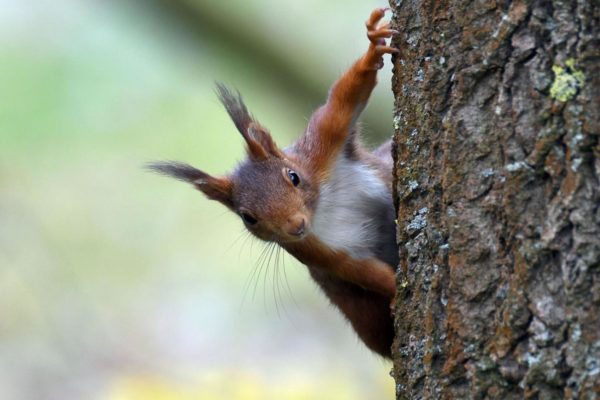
{"x":270,"y":191}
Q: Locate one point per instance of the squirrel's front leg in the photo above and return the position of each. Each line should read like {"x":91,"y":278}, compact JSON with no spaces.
{"x":330,"y":124}
{"x":368,"y":273}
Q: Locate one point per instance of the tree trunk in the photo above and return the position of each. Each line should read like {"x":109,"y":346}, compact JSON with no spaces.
{"x":497,"y":187}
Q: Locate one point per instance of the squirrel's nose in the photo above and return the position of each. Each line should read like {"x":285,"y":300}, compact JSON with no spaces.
{"x":296,"y":225}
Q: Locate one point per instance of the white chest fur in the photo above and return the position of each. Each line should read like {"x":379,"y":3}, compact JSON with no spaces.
{"x":344,"y":216}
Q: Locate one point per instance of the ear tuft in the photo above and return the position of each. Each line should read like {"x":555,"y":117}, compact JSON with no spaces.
{"x":263,"y":137}
{"x":215,"y":188}
{"x":259,"y":141}
{"x":235,"y":107}
{"x":178,"y":170}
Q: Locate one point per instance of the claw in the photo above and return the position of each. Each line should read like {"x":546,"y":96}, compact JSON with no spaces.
{"x":375,"y":17}
{"x":381,"y":33}
{"x":378,"y":33}
{"x":386,"y":25}
{"x":386,"y":50}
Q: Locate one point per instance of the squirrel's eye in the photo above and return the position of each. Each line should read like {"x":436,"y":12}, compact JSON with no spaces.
{"x":249,"y":219}
{"x":294,"y":178}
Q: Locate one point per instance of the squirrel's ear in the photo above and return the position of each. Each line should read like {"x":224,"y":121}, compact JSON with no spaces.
{"x":259,"y":141}
{"x":263,"y":137}
{"x":215,"y":188}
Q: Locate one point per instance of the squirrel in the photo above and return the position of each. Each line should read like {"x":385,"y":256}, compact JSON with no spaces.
{"x":325,"y":199}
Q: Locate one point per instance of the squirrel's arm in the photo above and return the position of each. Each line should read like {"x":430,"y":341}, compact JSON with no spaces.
{"x":330,"y":124}
{"x":369,"y":273}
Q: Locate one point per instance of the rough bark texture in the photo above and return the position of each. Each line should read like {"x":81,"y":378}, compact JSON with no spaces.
{"x":497,"y":186}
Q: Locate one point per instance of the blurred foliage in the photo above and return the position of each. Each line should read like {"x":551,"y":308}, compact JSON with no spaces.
{"x":117,"y":284}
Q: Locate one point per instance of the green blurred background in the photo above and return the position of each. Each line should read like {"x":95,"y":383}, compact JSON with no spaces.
{"x":119,"y":284}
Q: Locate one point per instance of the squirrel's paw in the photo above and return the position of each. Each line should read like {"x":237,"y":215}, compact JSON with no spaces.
{"x":377,"y":33}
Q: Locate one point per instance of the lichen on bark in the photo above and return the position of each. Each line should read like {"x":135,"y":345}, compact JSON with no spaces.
{"x":497,"y":186}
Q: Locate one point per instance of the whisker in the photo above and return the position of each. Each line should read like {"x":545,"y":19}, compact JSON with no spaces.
{"x":261,"y":264}
{"x":278,"y":280}
{"x":270,"y":252}
{"x":254,"y":275}
{"x":251,"y":275}
{"x":287,"y":281}
{"x":276,"y":291}
{"x":271,"y":249}
{"x":241,"y":235}
{"x":244,"y":242}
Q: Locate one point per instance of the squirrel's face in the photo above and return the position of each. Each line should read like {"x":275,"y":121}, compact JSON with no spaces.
{"x":272,"y":194}
{"x":274,"y":198}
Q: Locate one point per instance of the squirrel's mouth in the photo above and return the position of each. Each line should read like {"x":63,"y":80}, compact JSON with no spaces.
{"x":294,"y":238}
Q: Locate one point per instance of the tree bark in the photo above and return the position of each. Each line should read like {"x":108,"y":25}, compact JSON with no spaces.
{"x":497,"y":181}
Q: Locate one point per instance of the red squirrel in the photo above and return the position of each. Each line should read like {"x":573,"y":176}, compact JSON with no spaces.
{"x":325,"y":199}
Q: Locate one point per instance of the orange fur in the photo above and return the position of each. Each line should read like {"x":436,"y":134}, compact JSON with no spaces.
{"x":329,"y":125}
{"x":370,"y":274}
